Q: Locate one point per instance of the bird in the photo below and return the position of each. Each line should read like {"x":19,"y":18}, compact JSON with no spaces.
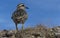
{"x":20,"y":15}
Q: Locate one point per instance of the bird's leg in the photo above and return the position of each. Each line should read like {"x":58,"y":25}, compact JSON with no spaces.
{"x":16,"y":28}
{"x":22,"y":27}
{"x":17,"y":34}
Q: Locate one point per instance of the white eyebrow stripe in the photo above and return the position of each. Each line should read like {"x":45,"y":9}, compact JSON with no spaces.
{"x":20,"y":4}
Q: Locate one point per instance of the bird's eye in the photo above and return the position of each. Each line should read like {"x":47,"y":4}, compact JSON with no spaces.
{"x":22,"y":5}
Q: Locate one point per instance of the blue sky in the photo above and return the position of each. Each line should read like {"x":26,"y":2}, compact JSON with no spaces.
{"x":40,"y":12}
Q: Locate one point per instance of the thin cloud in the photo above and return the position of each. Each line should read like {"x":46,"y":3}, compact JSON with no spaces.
{"x":2,"y":20}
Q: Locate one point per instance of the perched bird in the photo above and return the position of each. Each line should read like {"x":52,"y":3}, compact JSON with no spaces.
{"x":19,"y":16}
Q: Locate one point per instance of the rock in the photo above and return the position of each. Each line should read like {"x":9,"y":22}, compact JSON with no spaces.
{"x":3,"y":33}
{"x":35,"y":32}
{"x":10,"y":33}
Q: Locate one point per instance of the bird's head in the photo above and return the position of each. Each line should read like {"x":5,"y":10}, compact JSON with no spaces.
{"x":22,"y":6}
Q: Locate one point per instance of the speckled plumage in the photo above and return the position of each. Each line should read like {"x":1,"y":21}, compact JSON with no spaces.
{"x":19,"y":16}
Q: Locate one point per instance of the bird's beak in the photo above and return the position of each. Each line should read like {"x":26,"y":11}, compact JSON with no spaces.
{"x":26,"y":7}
